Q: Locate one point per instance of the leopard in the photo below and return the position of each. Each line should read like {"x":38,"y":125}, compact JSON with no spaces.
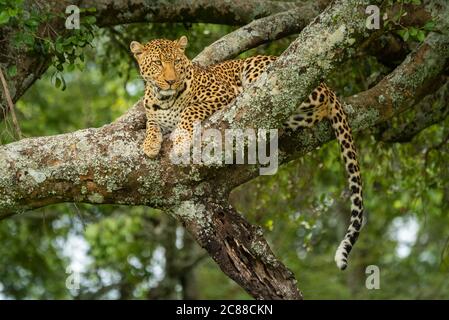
{"x":179,"y":92}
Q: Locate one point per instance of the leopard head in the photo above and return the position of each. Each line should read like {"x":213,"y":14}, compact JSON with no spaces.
{"x":163,"y":65}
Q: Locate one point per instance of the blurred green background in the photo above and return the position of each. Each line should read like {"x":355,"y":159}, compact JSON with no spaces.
{"x":139,"y":253}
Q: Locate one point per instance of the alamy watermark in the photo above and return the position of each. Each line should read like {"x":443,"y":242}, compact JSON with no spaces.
{"x":209,"y":147}
{"x":73,"y":20}
{"x":73,"y":279}
{"x":373,"y":20}
{"x":372,"y":281}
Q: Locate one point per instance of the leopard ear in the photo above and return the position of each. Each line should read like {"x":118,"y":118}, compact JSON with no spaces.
{"x":182,"y":43}
{"x":136,"y":48}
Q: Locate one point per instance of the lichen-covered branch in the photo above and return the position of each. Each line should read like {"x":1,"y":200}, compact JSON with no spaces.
{"x":236,"y":12}
{"x":106,"y":165}
{"x":261,"y":31}
{"x":433,"y":109}
{"x":387,"y":47}
{"x":415,"y":78}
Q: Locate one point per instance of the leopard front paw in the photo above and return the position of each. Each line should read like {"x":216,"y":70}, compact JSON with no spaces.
{"x":151,"y":149}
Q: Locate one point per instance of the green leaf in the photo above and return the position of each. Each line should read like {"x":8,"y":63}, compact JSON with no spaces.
{"x":429,"y":26}
{"x":79,"y":66}
{"x":64,"y":86}
{"x":57,"y":82}
{"x":28,"y":39}
{"x":70,"y":67}
{"x":421,"y":36}
{"x":59,"y":47}
{"x":404,"y":34}
{"x":32,"y":22}
{"x":4,"y":17}
{"x":90,"y":19}
{"x":12,"y":71}
{"x":67,"y":40}
{"x":12,"y":12}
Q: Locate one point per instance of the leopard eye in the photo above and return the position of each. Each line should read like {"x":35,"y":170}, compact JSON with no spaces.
{"x":158,"y":62}
{"x":178,"y":60}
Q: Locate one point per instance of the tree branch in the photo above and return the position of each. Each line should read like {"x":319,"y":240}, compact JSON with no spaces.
{"x":237,"y":12}
{"x":106,"y":165}
{"x":10,"y":104}
{"x":433,"y":109}
{"x":402,"y":89}
{"x":261,"y":31}
{"x":238,"y":248}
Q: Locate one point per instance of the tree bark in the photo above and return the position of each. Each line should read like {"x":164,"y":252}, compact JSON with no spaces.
{"x":433,"y":109}
{"x":238,"y":248}
{"x":261,"y":31}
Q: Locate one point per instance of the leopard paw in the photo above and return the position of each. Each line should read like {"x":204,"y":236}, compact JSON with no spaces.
{"x":151,"y":149}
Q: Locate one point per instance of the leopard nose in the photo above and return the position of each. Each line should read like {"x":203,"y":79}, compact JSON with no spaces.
{"x":170,"y":82}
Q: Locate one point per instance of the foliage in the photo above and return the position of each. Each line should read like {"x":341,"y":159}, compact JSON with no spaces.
{"x":33,"y":33}
{"x":407,"y":33}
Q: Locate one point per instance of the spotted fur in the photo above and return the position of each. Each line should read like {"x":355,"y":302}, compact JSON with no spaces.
{"x":178,"y":93}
